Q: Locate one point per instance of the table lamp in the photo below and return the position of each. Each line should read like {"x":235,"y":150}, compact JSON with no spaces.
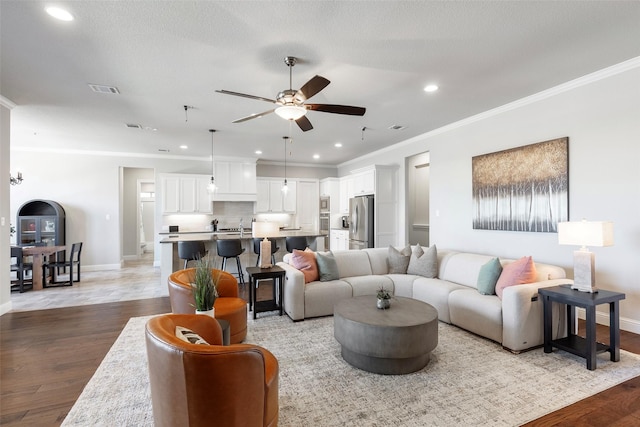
{"x":585,"y":233}
{"x":265,"y":230}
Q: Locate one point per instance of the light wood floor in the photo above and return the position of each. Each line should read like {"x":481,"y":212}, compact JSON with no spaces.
{"x":48,"y":356}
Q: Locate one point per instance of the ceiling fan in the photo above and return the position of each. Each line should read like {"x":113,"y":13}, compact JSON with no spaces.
{"x":291,"y":103}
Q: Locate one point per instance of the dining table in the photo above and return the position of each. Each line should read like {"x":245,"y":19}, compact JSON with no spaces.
{"x":38,"y":253}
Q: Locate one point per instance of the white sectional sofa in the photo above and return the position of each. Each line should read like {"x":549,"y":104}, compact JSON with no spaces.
{"x":515,"y":321}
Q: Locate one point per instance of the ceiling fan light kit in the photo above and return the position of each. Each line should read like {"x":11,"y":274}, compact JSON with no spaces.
{"x":291,"y":112}
{"x":291,"y":103}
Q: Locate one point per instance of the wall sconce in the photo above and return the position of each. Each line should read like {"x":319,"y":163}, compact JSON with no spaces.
{"x":585,"y":233}
{"x":17,"y":180}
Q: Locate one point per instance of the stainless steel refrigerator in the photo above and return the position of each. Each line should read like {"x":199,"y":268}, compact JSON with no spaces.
{"x":361,"y":222}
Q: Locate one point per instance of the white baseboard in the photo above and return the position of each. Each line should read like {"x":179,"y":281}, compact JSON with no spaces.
{"x":5,"y":308}
{"x":626,"y":324}
{"x":130,"y":257}
{"x":101,"y":267}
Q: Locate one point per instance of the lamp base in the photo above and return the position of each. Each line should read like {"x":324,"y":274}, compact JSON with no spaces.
{"x":584,"y":271}
{"x":265,"y":253}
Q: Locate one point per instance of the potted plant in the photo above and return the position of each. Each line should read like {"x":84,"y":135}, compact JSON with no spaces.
{"x":204,"y":287}
{"x":384,"y":298}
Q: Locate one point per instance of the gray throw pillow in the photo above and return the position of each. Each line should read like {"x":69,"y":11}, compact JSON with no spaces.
{"x":424,"y":263}
{"x":398,"y":260}
{"x":488,"y":276}
{"x":327,"y":266}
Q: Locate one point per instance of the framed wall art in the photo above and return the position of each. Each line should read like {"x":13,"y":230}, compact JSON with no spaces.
{"x":522,"y":189}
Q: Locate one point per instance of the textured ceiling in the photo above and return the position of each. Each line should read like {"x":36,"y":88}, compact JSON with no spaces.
{"x":163,"y":55}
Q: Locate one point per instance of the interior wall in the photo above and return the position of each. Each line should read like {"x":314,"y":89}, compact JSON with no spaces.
{"x":5,"y":217}
{"x":601,"y":120}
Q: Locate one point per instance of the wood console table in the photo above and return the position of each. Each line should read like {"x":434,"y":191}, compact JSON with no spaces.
{"x":584,"y":347}
{"x":38,"y":253}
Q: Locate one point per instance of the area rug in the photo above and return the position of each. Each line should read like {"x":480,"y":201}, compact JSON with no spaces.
{"x":469,"y":381}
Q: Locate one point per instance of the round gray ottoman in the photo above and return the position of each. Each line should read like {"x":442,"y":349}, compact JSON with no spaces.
{"x":398,"y":340}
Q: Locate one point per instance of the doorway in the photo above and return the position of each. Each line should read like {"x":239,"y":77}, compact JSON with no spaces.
{"x":146,"y":215}
{"x":417,"y":167}
{"x":138,"y":201}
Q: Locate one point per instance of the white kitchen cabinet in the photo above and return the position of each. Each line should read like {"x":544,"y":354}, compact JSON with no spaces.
{"x":271,"y":198}
{"x":346,"y":192}
{"x":308,"y":209}
{"x":339,"y":240}
{"x":364,"y":183}
{"x":185,"y":194}
{"x":235,"y":181}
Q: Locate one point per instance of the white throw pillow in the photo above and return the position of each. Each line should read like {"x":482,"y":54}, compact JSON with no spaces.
{"x":424,"y":263}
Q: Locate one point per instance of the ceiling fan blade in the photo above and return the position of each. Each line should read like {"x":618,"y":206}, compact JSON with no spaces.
{"x":253,"y":116}
{"x":304,"y":123}
{"x":244,"y":95}
{"x":313,"y":86}
{"x":337,"y":109}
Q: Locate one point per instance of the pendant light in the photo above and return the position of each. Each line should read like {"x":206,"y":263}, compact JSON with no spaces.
{"x":285,"y":188}
{"x":211,"y":188}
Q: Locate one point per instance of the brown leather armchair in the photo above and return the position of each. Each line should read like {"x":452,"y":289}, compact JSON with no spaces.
{"x":208,"y":385}
{"x":228,"y":305}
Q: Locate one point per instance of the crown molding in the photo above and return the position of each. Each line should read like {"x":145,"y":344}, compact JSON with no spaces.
{"x":6,"y":102}
{"x":531,"y":99}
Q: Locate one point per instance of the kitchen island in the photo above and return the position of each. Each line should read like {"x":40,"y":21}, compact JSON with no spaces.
{"x":170,"y":262}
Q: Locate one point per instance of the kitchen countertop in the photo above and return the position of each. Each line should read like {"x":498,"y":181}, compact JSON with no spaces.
{"x":229,"y":235}
{"x":246,"y":231}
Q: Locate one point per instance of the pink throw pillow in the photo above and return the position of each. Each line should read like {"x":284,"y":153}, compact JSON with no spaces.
{"x":517,"y":273}
{"x":305,"y":261}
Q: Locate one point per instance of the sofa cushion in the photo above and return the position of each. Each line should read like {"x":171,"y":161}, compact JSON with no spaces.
{"x":398,"y":260}
{"x":436,"y":292}
{"x":320,"y":297}
{"x":488,"y":276}
{"x":424,"y":263}
{"x":516,"y":273}
{"x":378,"y":260}
{"x":187,"y":335}
{"x":480,"y":314}
{"x":305,"y":261}
{"x":402,"y":284}
{"x":327,"y":266}
{"x":353,"y":263}
{"x":368,"y":285}
{"x":463,"y":268}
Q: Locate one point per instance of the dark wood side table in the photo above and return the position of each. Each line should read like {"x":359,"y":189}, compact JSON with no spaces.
{"x":584,"y":347}
{"x":226,"y":331}
{"x":277,"y":274}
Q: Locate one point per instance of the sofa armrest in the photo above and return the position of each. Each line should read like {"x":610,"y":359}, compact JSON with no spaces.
{"x":293,"y":291}
{"x":522,"y":320}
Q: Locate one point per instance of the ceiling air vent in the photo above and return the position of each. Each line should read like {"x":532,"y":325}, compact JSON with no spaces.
{"x":164,"y":150}
{"x":104,"y":89}
{"x":133,"y":126}
{"x":397,"y":127}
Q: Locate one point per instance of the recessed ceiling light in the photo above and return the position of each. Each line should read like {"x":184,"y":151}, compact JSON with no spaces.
{"x":184,"y":147}
{"x":258,"y":152}
{"x":338,"y":144}
{"x":316,"y":156}
{"x":60,"y":14}
{"x":431,"y":88}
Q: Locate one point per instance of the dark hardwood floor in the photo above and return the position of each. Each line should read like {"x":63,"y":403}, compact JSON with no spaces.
{"x":48,"y":356}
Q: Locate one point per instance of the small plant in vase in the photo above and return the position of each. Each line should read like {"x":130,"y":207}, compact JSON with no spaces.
{"x":384,"y":298}
{"x":204,"y":287}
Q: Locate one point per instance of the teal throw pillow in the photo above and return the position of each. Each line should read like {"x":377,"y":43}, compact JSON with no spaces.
{"x":327,"y":266}
{"x":488,"y":277}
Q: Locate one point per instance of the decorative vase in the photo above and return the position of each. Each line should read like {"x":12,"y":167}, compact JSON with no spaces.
{"x":207,"y":312}
{"x":383,"y":303}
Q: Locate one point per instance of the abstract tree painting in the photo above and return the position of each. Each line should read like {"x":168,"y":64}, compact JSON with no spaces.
{"x":522,"y":189}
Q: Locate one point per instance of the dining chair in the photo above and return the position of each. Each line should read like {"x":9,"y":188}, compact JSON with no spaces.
{"x":55,"y":266}
{"x":20,"y":268}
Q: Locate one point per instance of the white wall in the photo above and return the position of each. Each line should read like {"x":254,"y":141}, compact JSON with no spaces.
{"x":5,"y":251}
{"x":602,"y":121}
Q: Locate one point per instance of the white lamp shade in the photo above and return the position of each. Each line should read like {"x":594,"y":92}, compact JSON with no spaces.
{"x":291,"y":112}
{"x":585,"y":233}
{"x":264,"y":229}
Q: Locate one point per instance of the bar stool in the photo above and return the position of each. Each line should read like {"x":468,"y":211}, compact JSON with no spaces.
{"x":191,"y":251}
{"x":231,"y":248}
{"x":256,"y":249}
{"x":300,"y":243}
